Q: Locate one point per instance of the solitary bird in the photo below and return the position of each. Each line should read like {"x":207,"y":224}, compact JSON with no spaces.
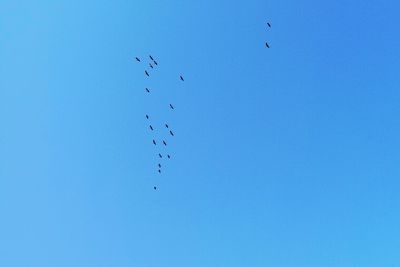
{"x":171,"y":106}
{"x":182,"y":78}
{"x":269,"y":25}
{"x":137,"y":59}
{"x":164,"y":142}
{"x":151,"y":127}
{"x":147,"y":90}
{"x":166,"y":125}
{"x":155,"y":62}
{"x":171,"y":133}
{"x":151,"y":66}
{"x":266,"y":44}
{"x":147,"y":116}
{"x":169,"y":156}
{"x":154,"y":142}
{"x":151,"y":57}
{"x":155,"y":187}
{"x":146,"y":73}
{"x":160,"y":156}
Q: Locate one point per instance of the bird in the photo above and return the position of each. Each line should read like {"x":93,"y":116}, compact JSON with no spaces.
{"x":169,"y":156}
{"x":266,"y":44}
{"x":182,"y":78}
{"x":151,"y":127}
{"x":159,"y":171}
{"x":171,"y":133}
{"x":171,"y":106}
{"x":147,"y":89}
{"x":164,"y":142}
{"x":155,"y":187}
{"x":151,"y":57}
{"x":137,"y":59}
{"x":166,"y":125}
{"x":147,"y":116}
{"x":159,"y":165}
{"x":155,"y":62}
{"x":154,"y":142}
{"x":146,"y":73}
{"x":151,"y":66}
{"x":269,"y":25}
{"x":160,"y":156}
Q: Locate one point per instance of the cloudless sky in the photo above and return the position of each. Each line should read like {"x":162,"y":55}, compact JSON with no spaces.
{"x":282,"y":157}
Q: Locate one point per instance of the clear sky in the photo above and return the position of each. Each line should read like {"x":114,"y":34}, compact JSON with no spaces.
{"x":282,"y":157}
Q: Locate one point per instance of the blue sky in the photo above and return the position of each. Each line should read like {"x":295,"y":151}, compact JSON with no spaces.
{"x":287,"y":156}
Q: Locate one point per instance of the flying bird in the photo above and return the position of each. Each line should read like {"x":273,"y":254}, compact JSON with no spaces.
{"x":155,"y":62}
{"x":169,"y":156}
{"x":155,"y":187}
{"x":147,"y":90}
{"x":166,"y":125}
{"x":154,"y":142}
{"x":164,"y":143}
{"x":171,"y":133}
{"x":159,"y":165}
{"x":146,"y":73}
{"x":159,"y":171}
{"x":151,"y":127}
{"x":147,"y":116}
{"x":267,"y":45}
{"x":151,"y":66}
{"x":269,"y":25}
{"x":182,"y":78}
{"x":171,"y":106}
{"x":137,"y":59}
{"x":160,"y":156}
{"x":151,"y":57}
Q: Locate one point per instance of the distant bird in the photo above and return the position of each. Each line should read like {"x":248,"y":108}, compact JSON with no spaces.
{"x":159,"y":171}
{"x":164,"y":142}
{"x":154,"y":142}
{"x":137,"y":59}
{"x":171,"y":133}
{"x":151,"y":57}
{"x":267,"y":45}
{"x":155,"y":187}
{"x":147,"y":116}
{"x":166,"y":125}
{"x":160,"y":156}
{"x":182,"y":78}
{"x":269,"y":25}
{"x":146,"y":73}
{"x":171,"y":106}
{"x":147,"y":90}
{"x":169,"y":156}
{"x":151,"y":127}
{"x":151,"y":66}
{"x":155,"y":62}
{"x":159,"y":165}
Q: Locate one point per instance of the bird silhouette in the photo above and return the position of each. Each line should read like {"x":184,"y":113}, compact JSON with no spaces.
{"x":160,"y":156}
{"x":151,"y":66}
{"x":181,"y":78}
{"x":269,"y":25}
{"x":171,"y":106}
{"x":171,"y":133}
{"x":159,"y":171}
{"x":169,"y":156}
{"x":146,"y":73}
{"x":151,"y":127}
{"x":166,"y":125}
{"x":159,"y":165}
{"x":165,"y":143}
{"x":154,"y":142}
{"x":147,"y":90}
{"x":267,"y":45}
{"x":147,"y":116}
{"x":155,"y":187}
{"x":155,"y":62}
{"x":137,"y":59}
{"x":151,"y":57}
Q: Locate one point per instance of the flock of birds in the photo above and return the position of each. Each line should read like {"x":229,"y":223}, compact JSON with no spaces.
{"x":152,"y":65}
